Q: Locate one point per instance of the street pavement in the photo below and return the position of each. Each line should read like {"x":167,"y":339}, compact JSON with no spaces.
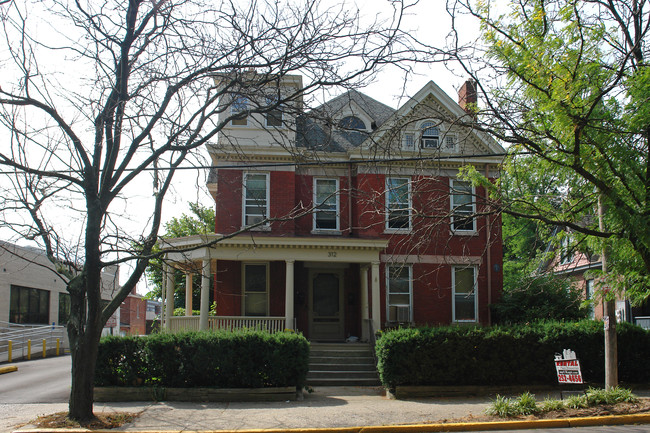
{"x":327,"y":407}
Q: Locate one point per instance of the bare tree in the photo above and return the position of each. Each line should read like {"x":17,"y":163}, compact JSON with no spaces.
{"x":96,"y":98}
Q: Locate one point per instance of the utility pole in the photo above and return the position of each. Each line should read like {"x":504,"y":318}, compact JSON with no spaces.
{"x":611,"y":344}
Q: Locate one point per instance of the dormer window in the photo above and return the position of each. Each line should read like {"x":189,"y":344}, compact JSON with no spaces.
{"x":352,"y":122}
{"x":274,"y":115}
{"x":239,"y":105}
{"x":430,"y":136}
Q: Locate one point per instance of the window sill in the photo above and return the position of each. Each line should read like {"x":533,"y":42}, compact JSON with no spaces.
{"x":326,"y":232}
{"x":464,"y":233}
{"x":398,"y":231}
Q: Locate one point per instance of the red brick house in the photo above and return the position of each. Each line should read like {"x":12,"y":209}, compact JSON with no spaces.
{"x":353,"y":217}
{"x":133,"y":315}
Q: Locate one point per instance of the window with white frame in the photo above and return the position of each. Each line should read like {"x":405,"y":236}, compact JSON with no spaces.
{"x":274,"y":115}
{"x":465,"y":305}
{"x":450,"y":141}
{"x":256,"y":289}
{"x":463,"y":208}
{"x":239,"y":105}
{"x":352,"y":122}
{"x":430,"y":138}
{"x":398,"y":203}
{"x":589,"y":296}
{"x":409,"y":141}
{"x":566,"y":253}
{"x":326,"y":204}
{"x":399,"y":283}
{"x":256,"y":198}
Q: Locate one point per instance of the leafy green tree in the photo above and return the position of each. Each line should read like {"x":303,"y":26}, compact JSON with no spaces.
{"x":540,"y":297}
{"x":200,"y":220}
{"x":566,"y":83}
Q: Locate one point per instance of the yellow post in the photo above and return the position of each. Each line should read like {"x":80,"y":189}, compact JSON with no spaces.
{"x":29,"y":349}
{"x":9,"y":344}
{"x":44,"y":348}
{"x":57,"y":347}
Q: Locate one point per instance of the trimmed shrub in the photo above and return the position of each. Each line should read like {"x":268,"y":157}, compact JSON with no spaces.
{"x":243,"y":359}
{"x":501,"y":355}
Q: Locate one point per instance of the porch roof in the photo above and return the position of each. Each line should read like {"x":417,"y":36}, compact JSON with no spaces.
{"x":251,"y":247}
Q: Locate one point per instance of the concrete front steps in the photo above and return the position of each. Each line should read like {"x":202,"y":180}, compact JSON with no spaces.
{"x":342,"y":364}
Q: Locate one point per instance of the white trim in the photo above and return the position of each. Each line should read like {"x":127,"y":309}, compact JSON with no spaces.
{"x":245,"y":175}
{"x":388,"y":292}
{"x":315,"y":203}
{"x":453,"y":293}
{"x":452,"y":207}
{"x":409,"y":204}
{"x":243,"y":286}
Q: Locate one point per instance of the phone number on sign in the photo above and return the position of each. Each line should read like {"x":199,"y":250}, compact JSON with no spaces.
{"x":569,"y":378}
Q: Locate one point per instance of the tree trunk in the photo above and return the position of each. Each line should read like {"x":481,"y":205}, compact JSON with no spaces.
{"x":84,"y":356}
{"x":611,"y":343}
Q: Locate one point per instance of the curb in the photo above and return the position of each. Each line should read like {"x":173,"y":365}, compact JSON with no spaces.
{"x":8,"y":369}
{"x":410,"y":428}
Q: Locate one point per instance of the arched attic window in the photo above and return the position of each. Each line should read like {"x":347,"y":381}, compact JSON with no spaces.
{"x":352,"y":122}
{"x":430,"y":138}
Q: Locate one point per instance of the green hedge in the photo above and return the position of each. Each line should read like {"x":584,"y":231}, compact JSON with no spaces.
{"x":502,"y":355}
{"x":246,"y":359}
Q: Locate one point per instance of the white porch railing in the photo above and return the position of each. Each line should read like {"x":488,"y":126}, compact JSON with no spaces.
{"x":228,"y":323}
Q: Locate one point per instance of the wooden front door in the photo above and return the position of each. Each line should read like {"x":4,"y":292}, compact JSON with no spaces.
{"x":326,"y":321}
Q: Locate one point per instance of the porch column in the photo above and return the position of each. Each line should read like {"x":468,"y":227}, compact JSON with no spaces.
{"x":169,"y":295}
{"x":365,"y":314}
{"x":288,"y":295}
{"x":188,"y":293}
{"x":376,"y":301}
{"x":205,"y":295}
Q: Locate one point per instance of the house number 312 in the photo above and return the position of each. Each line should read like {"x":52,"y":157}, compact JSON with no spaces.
{"x":331,"y":254}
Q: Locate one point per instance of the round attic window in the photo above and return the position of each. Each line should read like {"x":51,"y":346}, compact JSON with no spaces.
{"x":352,"y":122}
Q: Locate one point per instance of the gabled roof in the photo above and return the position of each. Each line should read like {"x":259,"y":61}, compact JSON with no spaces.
{"x":317,"y":130}
{"x":454,"y":110}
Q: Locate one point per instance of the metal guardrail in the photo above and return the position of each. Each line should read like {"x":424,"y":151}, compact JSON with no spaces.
{"x":20,"y":335}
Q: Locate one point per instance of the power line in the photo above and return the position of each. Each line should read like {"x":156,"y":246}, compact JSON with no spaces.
{"x":300,"y":163}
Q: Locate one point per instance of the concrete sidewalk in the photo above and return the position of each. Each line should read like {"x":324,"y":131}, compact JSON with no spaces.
{"x":326,"y":407}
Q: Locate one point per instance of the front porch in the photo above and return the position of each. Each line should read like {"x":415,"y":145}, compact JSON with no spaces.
{"x":326,"y":288}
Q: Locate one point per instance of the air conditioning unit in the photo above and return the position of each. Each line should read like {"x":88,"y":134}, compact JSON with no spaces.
{"x":430,"y":143}
{"x":254,"y":219}
{"x":403,"y":314}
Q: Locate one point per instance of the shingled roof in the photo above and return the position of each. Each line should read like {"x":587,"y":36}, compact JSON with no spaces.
{"x":317,"y":130}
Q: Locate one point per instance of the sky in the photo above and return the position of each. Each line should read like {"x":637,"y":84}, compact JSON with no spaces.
{"x":426,"y":21}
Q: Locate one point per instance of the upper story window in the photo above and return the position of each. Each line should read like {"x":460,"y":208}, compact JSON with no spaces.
{"x":566,"y":254}
{"x":256,"y":198}
{"x":239,"y":105}
{"x":462,"y":206}
{"x":398,"y":203}
{"x":465,"y":308}
{"x":450,"y":141}
{"x":399,"y":293}
{"x":273,"y":117}
{"x":409,"y":141}
{"x":256,"y":289}
{"x":326,"y":204}
{"x":352,"y":122}
{"x":430,"y":138}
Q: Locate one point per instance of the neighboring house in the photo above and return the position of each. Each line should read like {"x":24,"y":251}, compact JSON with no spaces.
{"x":355,"y":217}
{"x":32,"y":293}
{"x":154,"y":309}
{"x":133,"y":315}
{"x":575,"y":264}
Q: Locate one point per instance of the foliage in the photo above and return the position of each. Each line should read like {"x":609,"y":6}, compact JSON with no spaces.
{"x":505,"y":355}
{"x":241,"y":359}
{"x":525,"y":404}
{"x":539,"y":297}
{"x":565,"y":85}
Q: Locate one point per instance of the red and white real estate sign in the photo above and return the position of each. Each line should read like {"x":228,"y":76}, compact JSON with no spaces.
{"x":568,"y":371}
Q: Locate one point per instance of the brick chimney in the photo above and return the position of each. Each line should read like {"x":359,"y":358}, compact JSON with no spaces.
{"x":467,"y":95}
